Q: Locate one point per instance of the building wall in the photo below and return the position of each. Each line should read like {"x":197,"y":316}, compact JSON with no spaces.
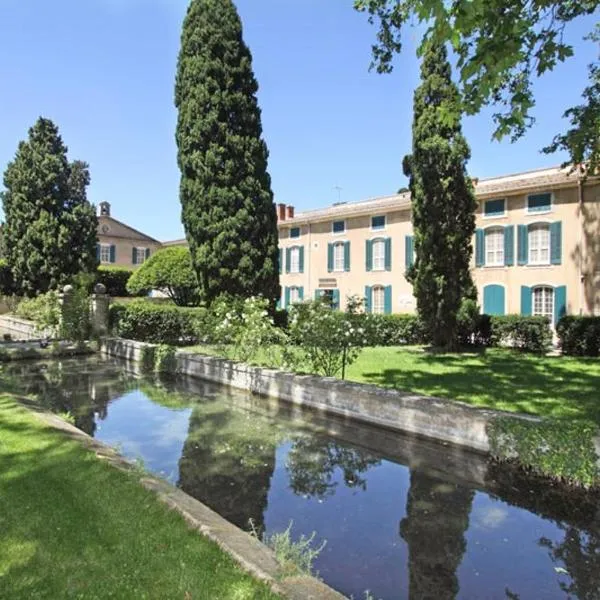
{"x":578,"y":271}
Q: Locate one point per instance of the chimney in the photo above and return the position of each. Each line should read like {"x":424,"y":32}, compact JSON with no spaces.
{"x":281,"y":212}
{"x":290,"y":212}
{"x":105,"y":209}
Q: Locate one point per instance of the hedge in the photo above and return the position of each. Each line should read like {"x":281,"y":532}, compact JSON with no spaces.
{"x":156,"y":323}
{"x":115,"y":279}
{"x":579,"y":336}
{"x":530,"y":334}
{"x":393,"y":330}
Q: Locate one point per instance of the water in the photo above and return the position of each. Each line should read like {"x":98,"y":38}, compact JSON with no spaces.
{"x":403,"y":518}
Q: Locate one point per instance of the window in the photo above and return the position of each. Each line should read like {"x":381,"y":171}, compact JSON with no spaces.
{"x":378,"y":306}
{"x":494,"y":247}
{"x":338,"y":227}
{"x":539,"y":203}
{"x":494,"y":208}
{"x":104,"y":253}
{"x":295,"y":232}
{"x":378,"y":223}
{"x":295,"y":260}
{"x":139,"y":256}
{"x":378,"y":255}
{"x":539,"y":244}
{"x":543,"y":302}
{"x":294,"y":295}
{"x":339,"y":263}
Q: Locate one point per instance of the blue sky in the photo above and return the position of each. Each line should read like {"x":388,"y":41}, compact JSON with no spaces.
{"x":104,"y":70}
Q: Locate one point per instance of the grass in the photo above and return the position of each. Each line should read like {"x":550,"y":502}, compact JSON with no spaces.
{"x":72,"y":526}
{"x":551,"y":386}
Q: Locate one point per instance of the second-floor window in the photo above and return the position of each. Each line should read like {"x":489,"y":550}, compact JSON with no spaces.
{"x":378,"y":255}
{"x":339,"y":263}
{"x":494,"y":246}
{"x":378,"y":223}
{"x":338,"y":227}
{"x":295,"y":232}
{"x":104,"y":253}
{"x":539,"y":244}
{"x":295,"y":260}
{"x":378,"y":299}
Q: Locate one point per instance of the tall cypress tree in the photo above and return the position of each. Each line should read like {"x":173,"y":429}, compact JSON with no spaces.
{"x":443,"y":200}
{"x":51,"y":229}
{"x":227,"y":202}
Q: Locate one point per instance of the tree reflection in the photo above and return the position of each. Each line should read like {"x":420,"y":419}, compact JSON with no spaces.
{"x":437,"y":517}
{"x":227,"y":462}
{"x":312,"y":462}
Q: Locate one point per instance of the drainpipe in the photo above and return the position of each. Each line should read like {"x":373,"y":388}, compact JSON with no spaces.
{"x":582,"y":244}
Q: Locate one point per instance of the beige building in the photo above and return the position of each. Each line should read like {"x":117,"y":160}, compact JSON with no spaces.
{"x":121,"y":245}
{"x":536,"y":249}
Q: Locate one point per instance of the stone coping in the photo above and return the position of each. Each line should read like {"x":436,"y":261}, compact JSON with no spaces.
{"x":250,"y":553}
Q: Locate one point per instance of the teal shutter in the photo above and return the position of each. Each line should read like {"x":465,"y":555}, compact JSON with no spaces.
{"x":526,"y":300}
{"x":319,"y":294}
{"x":279,"y":303}
{"x":288,"y":254}
{"x":387,"y":300}
{"x":113,"y":254}
{"x":409,"y":252}
{"x":560,"y":302}
{"x":98,"y":252}
{"x":522,"y":245}
{"x":479,"y":248}
{"x":346,"y":256}
{"x":280,"y":261}
{"x":147,"y":253}
{"x":509,"y":245}
{"x":329,"y":258}
{"x":556,"y":243}
{"x":133,"y":256}
{"x":388,"y":254}
{"x":368,"y":298}
{"x":335,"y":304}
{"x":369,"y":255}
{"x":287,"y":297}
{"x":493,"y":299}
{"x":301,"y":294}
{"x":301,"y":260}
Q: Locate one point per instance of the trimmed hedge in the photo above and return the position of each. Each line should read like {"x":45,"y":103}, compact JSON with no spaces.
{"x":115,"y":280}
{"x":579,"y":336}
{"x":393,"y":330}
{"x":156,"y":323}
{"x":530,"y":334}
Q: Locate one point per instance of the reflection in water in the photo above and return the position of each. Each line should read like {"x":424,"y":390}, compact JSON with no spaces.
{"x":468,"y":530}
{"x":434,"y":529}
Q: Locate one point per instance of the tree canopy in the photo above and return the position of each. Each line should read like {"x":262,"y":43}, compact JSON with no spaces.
{"x":225,"y":192}
{"x":49,"y":235}
{"x":501,"y":46}
{"x":171,"y":271}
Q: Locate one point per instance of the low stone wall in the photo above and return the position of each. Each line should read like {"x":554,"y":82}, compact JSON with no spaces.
{"x":20,"y":329}
{"x":439,"y":419}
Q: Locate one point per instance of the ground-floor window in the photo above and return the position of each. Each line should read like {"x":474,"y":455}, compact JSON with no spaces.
{"x":378,"y":302}
{"x":294,"y":295}
{"x":543,"y":301}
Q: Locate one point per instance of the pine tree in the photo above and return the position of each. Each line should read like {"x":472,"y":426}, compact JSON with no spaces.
{"x":443,"y":201}
{"x":225,"y":192}
{"x":50,"y":233}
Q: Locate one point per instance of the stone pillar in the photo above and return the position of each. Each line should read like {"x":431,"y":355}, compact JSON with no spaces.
{"x":65,"y":300}
{"x":100,"y":302}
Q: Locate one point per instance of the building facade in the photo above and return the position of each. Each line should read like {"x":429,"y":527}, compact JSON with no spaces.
{"x":536,"y":248}
{"x":121,"y":245}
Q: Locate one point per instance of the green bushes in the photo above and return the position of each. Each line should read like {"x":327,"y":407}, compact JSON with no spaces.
{"x":115,"y":280}
{"x":579,"y":336}
{"x":393,"y":330}
{"x":530,"y":334}
{"x":7,"y":284}
{"x":43,"y":310}
{"x":155,"y":323}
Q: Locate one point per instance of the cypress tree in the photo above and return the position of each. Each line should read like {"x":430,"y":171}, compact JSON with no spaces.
{"x":225,"y":191}
{"x":443,"y":200}
{"x":50,"y":230}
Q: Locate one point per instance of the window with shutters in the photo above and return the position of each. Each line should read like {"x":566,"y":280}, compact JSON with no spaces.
{"x":494,"y":247}
{"x":378,"y":255}
{"x":539,"y":244}
{"x":378,"y":299}
{"x":338,"y":257}
{"x":543,"y":301}
{"x":295,"y":259}
{"x":294,"y":295}
{"x":104,"y":253}
{"x":139,"y":256}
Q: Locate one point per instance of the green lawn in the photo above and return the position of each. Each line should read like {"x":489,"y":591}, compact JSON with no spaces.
{"x":72,"y":526}
{"x":505,"y":379}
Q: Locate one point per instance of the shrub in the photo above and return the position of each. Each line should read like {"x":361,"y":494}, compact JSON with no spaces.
{"x":75,"y":319}
{"x":579,"y":336}
{"x":531,"y":334}
{"x":155,"y":323}
{"x":393,"y":330}
{"x":115,"y":280}
{"x":171,"y":271}
{"x":43,"y":310}
{"x":467,"y":322}
{"x":165,"y":361}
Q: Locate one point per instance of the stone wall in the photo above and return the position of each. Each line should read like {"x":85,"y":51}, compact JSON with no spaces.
{"x":19,"y":329}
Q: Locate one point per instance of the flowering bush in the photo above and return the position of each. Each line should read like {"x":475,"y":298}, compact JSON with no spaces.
{"x":329,"y":340}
